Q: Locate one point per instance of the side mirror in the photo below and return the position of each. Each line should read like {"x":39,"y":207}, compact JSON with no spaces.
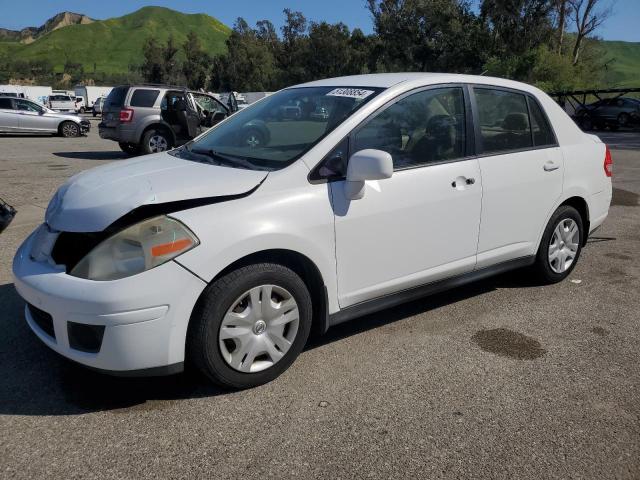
{"x":366,"y":165}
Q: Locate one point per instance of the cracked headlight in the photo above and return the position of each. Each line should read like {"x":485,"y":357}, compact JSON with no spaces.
{"x":136,"y":249}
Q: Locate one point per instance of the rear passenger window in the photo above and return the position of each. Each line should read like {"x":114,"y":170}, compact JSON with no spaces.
{"x":542,"y":133}
{"x":144,"y":98}
{"x":420,"y":129}
{"x":5,"y":104}
{"x":504,"y":120}
{"x":116,"y":97}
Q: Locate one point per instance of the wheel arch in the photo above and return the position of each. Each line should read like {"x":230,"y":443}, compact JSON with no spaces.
{"x":67,"y":120}
{"x":304,"y":267}
{"x":157,"y":126}
{"x":581,"y":205}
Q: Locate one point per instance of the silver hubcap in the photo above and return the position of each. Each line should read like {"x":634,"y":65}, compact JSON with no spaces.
{"x":563,"y":246}
{"x":253,"y":141}
{"x":259,"y":328}
{"x":158,"y":143}
{"x":69,"y":130}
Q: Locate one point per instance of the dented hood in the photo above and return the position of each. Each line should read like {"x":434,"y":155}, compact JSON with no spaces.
{"x":93,"y":200}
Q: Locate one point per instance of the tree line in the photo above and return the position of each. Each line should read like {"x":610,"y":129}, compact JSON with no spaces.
{"x":526,"y":40}
{"x":549,"y":43}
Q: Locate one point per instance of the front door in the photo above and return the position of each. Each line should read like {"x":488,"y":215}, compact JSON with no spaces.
{"x":421,"y":225}
{"x":522,"y":170}
{"x":33,"y":119}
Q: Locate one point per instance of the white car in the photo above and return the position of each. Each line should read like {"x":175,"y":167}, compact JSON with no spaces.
{"x":61,"y":103}
{"x":226,"y":254}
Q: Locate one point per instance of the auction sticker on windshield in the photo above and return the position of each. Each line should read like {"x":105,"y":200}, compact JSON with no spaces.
{"x":356,"y":93}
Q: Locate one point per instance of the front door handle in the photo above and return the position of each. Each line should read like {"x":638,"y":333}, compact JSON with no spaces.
{"x":550,"y":167}
{"x":460,"y":182}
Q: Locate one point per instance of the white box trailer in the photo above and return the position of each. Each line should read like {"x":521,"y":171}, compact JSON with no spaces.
{"x":37,"y":93}
{"x":91,"y":94}
{"x":12,"y":91}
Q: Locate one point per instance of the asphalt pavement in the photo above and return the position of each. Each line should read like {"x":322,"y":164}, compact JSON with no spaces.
{"x":500,"y":379}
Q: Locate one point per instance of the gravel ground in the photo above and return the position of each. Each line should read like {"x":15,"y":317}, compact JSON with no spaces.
{"x":500,"y":379}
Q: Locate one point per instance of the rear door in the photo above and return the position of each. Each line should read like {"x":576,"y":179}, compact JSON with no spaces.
{"x":522,"y":171}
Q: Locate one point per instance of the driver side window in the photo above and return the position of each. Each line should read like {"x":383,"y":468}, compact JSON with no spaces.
{"x":26,"y":106}
{"x":421,"y":129}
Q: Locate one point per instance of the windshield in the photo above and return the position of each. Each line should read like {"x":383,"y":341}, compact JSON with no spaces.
{"x":278,"y":130}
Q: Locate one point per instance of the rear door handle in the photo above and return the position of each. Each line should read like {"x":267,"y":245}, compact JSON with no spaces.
{"x":550,"y":167}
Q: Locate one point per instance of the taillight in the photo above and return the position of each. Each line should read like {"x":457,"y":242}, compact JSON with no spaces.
{"x":126,"y":115}
{"x":608,"y":163}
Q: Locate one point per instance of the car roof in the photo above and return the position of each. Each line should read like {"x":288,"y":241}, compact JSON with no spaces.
{"x":388,"y":80}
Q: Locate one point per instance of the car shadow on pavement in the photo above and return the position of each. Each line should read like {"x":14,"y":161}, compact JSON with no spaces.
{"x":37,"y":381}
{"x":109,"y":155}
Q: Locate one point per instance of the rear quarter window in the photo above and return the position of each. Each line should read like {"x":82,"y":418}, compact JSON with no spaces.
{"x":542,"y":133}
{"x":116,"y":97}
{"x":144,"y":98}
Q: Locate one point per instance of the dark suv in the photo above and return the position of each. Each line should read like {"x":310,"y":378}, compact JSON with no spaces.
{"x":155,"y":118}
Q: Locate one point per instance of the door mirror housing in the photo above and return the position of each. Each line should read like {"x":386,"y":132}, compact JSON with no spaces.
{"x":366,"y":165}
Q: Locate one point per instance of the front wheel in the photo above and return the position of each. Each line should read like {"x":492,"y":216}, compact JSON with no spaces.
{"x":561,"y":245}
{"x":253,"y":138}
{"x":69,"y":129}
{"x":250,"y":325}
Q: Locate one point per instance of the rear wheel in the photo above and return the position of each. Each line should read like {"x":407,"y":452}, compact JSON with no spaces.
{"x":155,"y":141}
{"x":250,"y":325}
{"x":561,"y":245}
{"x":129,"y":148}
{"x":69,"y":129}
{"x":586,"y":123}
{"x":623,"y":119}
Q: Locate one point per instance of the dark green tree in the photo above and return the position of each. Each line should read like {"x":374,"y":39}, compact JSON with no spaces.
{"x":427,"y":35}
{"x":248,"y":64}
{"x":170,"y":61}
{"x":197,"y":62}
{"x":152,"y":69}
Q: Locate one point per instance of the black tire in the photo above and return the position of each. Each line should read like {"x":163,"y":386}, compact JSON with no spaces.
{"x":623,"y":119}
{"x":586,"y":123}
{"x":253,"y":138}
{"x":69,"y":129}
{"x":203,"y":348}
{"x":82,"y":110}
{"x":542,"y":267}
{"x":147,"y":146}
{"x":129,"y":148}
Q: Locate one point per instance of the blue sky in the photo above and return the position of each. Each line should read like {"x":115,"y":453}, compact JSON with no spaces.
{"x":624,"y":24}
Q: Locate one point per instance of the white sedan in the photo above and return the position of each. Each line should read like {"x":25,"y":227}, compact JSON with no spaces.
{"x":225,"y":254}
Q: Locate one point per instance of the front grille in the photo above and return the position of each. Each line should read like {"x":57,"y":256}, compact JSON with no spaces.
{"x":86,"y":338}
{"x":43,"y":320}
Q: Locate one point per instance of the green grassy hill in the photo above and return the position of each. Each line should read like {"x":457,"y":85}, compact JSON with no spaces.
{"x":623,"y":63}
{"x":114,"y":44}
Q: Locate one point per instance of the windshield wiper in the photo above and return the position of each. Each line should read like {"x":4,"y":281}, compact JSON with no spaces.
{"x":224,"y":159}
